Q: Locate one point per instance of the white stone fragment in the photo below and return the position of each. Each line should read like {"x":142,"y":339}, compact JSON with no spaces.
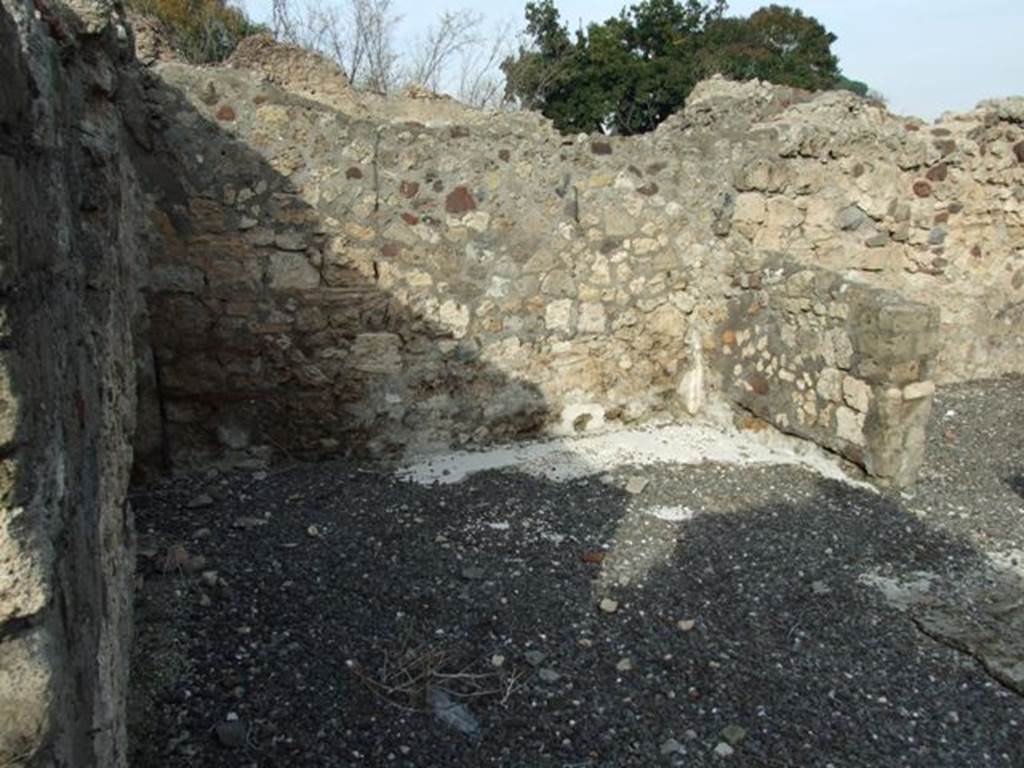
{"x":919,"y":390}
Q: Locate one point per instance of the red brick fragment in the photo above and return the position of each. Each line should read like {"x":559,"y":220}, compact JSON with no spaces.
{"x":759,"y":384}
{"x":460,"y":200}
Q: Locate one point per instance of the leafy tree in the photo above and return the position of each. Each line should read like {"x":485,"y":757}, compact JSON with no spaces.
{"x":539,"y":75}
{"x":663,"y":38}
{"x":630,"y":72}
{"x":626,"y":74}
{"x":856,"y":86}
{"x":777,"y":44}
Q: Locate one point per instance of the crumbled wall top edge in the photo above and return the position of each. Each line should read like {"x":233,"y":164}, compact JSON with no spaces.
{"x":716,"y":100}
{"x":833,"y":119}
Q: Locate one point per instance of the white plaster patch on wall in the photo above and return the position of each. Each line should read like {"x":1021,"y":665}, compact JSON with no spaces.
{"x":568,"y":458}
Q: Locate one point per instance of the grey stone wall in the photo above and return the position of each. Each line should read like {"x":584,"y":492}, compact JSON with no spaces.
{"x":934,"y":212}
{"x":332,"y":275}
{"x":68,"y":213}
{"x":836,"y":361}
{"x":325,"y":283}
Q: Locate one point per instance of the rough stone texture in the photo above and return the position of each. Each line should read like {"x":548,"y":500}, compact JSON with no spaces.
{"x":834,"y":360}
{"x":330,"y":283}
{"x":842,"y":184}
{"x":416,"y":303}
{"x":297,"y":70}
{"x":329,"y":274}
{"x":68,"y":214}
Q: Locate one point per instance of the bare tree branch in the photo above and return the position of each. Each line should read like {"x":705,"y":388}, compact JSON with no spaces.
{"x":454,"y":54}
{"x":481,"y":82}
{"x":357,"y":34}
{"x":454,"y":33}
{"x":281,"y":21}
{"x":374,"y":28}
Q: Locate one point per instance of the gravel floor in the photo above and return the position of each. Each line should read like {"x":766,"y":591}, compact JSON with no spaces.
{"x":332,"y":615}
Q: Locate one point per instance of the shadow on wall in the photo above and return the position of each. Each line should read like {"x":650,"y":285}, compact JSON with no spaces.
{"x":271,"y":334}
{"x":764,"y":565}
{"x":67,"y":271}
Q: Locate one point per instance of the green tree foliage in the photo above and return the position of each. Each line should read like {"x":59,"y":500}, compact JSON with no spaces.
{"x":203,"y":31}
{"x":632,"y":71}
{"x":856,"y":86}
{"x":777,"y":44}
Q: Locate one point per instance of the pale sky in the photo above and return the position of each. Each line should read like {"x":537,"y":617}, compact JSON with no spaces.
{"x":924,"y":56}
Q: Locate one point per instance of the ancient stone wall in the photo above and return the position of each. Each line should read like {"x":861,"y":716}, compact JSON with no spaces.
{"x":329,"y":278}
{"x":935,"y":212}
{"x":327,"y":283}
{"x":329,"y":273}
{"x":68,"y":214}
{"x":841,"y":363}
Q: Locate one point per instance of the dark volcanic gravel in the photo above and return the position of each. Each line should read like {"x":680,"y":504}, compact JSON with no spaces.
{"x":316,"y":616}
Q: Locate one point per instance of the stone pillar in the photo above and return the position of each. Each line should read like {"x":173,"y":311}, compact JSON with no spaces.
{"x":895,"y":343}
{"x":832,"y":360}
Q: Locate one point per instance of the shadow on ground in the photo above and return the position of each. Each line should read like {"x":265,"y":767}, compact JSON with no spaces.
{"x":784,"y":654}
{"x":278,"y":329}
{"x":1016,"y":482}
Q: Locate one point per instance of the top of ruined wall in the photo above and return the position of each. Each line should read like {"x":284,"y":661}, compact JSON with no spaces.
{"x":716,"y":103}
{"x":830,"y":124}
{"x":299,"y":71}
{"x":804,"y":123}
{"x":312,"y":76}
